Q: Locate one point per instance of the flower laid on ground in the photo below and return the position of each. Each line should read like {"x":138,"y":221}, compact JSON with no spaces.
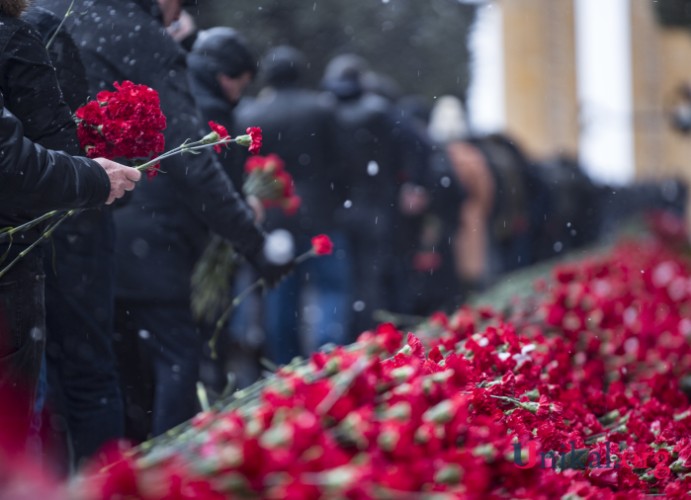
{"x":577,"y":391}
{"x":267,"y":180}
{"x":126,"y":123}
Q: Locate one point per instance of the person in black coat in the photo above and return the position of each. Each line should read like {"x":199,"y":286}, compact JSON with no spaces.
{"x":221,"y":66}
{"x":35,"y":178}
{"x":300,"y":126}
{"x":371,"y":155}
{"x":83,"y":381}
{"x":31,"y":92}
{"x":164,"y":227}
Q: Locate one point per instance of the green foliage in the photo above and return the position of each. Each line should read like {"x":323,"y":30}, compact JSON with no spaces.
{"x":422,"y":44}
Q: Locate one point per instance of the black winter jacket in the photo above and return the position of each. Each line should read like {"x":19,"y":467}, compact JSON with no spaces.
{"x":64,"y":55}
{"x":32,"y":177}
{"x":164,"y":228}
{"x":300,"y":126}
{"x":34,"y":180}
{"x":371,"y":160}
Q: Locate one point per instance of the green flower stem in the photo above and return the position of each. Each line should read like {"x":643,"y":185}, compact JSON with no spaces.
{"x":224,"y":317}
{"x":242,"y":296}
{"x":7,"y":232}
{"x":47,"y":234}
{"x":62,"y":22}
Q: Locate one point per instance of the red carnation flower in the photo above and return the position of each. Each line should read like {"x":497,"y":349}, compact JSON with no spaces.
{"x":255,"y":134}
{"x":292,"y":205}
{"x":125,"y":123}
{"x":322,"y":245}
{"x":222,"y":133}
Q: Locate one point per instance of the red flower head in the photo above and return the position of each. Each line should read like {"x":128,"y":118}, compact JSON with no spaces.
{"x":292,"y":205}
{"x":255,"y":134}
{"x":322,"y":245}
{"x":222,"y":134}
{"x":152,"y":171}
{"x":124,"y":123}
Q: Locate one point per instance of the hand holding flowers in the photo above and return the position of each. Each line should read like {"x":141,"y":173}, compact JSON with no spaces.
{"x":272,"y":186}
{"x":124,"y":123}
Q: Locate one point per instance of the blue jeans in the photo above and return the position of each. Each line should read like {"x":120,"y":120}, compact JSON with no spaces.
{"x":330,"y":278}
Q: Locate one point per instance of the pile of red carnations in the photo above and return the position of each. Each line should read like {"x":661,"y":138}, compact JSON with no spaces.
{"x":574,"y":392}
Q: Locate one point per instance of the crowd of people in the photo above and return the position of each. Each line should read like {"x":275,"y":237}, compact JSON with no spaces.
{"x":421,"y":211}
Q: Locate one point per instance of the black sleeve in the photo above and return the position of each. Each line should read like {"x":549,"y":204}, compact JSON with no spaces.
{"x":37,"y":179}
{"x":63,"y":52}
{"x":32,"y":93}
{"x":200,"y":179}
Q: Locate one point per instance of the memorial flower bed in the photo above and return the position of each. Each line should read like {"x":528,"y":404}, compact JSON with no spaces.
{"x":575,"y":390}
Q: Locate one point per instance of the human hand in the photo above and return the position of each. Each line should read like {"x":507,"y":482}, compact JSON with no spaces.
{"x":122,"y":178}
{"x":276,"y":259}
{"x":257,"y":207}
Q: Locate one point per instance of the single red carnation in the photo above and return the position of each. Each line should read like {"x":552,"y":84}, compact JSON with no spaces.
{"x":221,"y":131}
{"x":322,"y":245}
{"x":255,"y":134}
{"x":91,"y":113}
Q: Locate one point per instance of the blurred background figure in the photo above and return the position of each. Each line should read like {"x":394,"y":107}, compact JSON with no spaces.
{"x":299,"y":125}
{"x":184,"y":29}
{"x":221,"y":66}
{"x":471,"y":242}
{"x":371,"y":158}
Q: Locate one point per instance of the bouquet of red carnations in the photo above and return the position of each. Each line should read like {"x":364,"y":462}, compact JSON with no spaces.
{"x":125,"y":123}
{"x":271,"y":185}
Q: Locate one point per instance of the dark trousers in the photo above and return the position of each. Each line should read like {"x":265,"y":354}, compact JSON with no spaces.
{"x":159,"y":351}
{"x":22,"y":340}
{"x":82,"y":370}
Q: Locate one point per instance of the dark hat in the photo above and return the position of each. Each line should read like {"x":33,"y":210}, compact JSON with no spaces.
{"x":283,"y":65}
{"x":224,"y":50}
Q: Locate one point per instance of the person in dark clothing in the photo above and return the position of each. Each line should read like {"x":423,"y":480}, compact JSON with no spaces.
{"x":31,"y":92}
{"x":164,"y":227}
{"x":367,"y":147}
{"x":82,"y":374}
{"x":35,"y":178}
{"x":221,"y":66}
{"x":300,"y":126}
{"x":413,"y":157}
